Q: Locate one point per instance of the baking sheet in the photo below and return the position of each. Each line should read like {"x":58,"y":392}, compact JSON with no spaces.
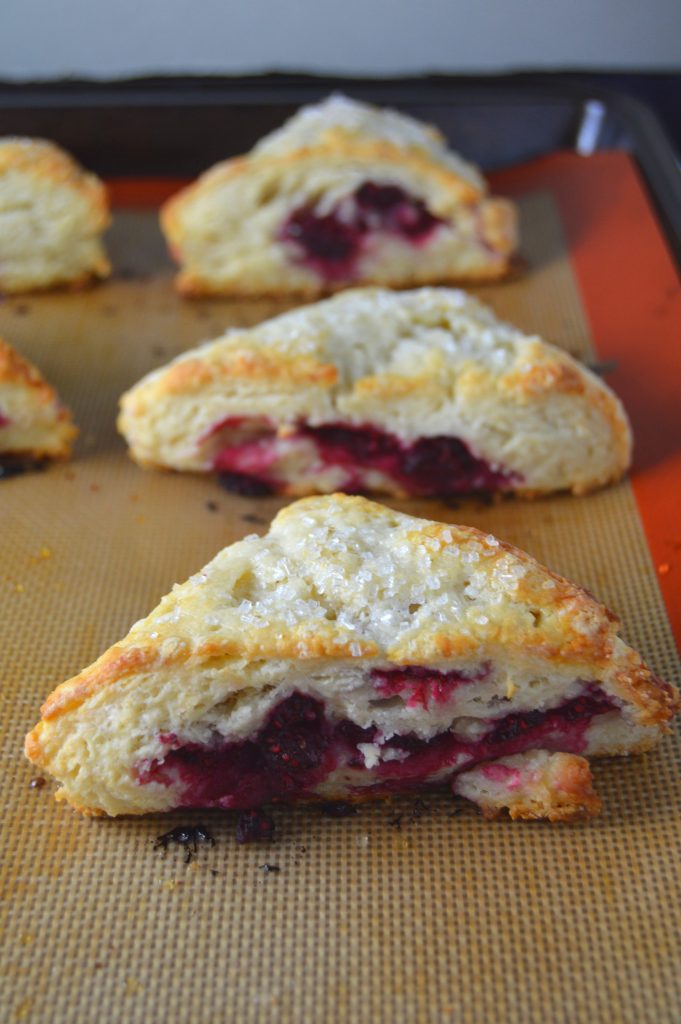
{"x":402,"y":913}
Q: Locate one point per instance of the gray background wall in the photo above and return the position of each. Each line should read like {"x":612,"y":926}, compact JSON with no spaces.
{"x":107,"y":38}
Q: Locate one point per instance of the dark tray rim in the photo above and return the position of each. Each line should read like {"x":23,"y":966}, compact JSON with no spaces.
{"x":643,"y":136}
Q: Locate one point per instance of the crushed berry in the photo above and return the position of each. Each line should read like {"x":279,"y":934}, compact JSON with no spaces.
{"x":418,"y":809}
{"x":37,"y":783}
{"x":253,"y":827}
{"x":429,"y":466}
{"x":245,"y":485}
{"x":299,"y":746}
{"x":12,"y":466}
{"x":295,"y":738}
{"x":332,"y":243}
{"x":188,"y":836}
{"x":337,"y":809}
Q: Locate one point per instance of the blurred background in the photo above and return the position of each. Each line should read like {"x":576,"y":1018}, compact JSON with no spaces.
{"x":43,"y":39}
{"x":626,"y":45}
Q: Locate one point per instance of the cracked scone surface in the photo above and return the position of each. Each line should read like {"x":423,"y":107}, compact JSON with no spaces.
{"x":343,"y":193}
{"x":352,"y":651}
{"x":52,"y":215}
{"x":450,"y":399}
{"x":34,"y":425}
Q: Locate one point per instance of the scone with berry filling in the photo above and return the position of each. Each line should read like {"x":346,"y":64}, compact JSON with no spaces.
{"x":353,"y":652}
{"x":412,"y":393}
{"x":52,"y":215}
{"x":34,"y":425}
{"x":345,"y":193}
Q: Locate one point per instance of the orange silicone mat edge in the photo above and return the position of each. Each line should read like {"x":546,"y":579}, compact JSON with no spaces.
{"x":631,"y":296}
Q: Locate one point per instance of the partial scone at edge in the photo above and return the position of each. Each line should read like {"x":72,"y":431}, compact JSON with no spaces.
{"x":52,"y":214}
{"x":34,"y":425}
{"x":423,"y":370}
{"x":352,"y":651}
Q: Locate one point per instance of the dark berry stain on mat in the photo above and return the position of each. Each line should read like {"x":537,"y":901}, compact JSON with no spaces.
{"x":254,"y":826}
{"x":188,"y":836}
{"x":256,"y":520}
{"x":246,"y":486}
{"x":15,"y":467}
{"x":337,"y":809}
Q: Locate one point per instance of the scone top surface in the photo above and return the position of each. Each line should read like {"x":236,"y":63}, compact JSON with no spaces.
{"x":339,"y":119}
{"x":33,"y":422}
{"x":426,"y":363}
{"x":52,"y":214}
{"x":338,"y":589}
{"x":341,"y":576}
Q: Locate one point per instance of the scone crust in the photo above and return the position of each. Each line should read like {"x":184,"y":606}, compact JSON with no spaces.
{"x":419,"y":154}
{"x":509,"y":407}
{"x":557,"y":788}
{"x":207,"y":645}
{"x":49,"y":171}
{"x":17,"y":373}
{"x":565,"y":625}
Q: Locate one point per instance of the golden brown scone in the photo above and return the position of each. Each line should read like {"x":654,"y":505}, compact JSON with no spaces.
{"x":345,"y":193}
{"x":34,"y":425}
{"x":405,"y":393}
{"x":52,"y":214}
{"x":352,"y":651}
{"x":533,"y":785}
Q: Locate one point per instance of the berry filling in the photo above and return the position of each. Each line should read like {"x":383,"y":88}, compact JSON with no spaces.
{"x":331,"y":244}
{"x":361,"y":457}
{"x":300,"y":746}
{"x":422,"y":687}
{"x":4,"y":420}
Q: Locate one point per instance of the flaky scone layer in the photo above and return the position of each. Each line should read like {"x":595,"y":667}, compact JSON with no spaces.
{"x":534,"y":785}
{"x":52,"y":214}
{"x":225,"y":228}
{"x":33,"y":422}
{"x":425,"y":363}
{"x":338,"y":591}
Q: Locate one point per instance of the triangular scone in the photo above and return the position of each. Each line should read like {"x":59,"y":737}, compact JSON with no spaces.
{"x":52,"y":214}
{"x":344,"y":193}
{"x":352,"y":651}
{"x":404,"y":393}
{"x":34,"y":425}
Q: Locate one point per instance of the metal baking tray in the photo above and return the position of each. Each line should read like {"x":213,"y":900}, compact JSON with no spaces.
{"x":178,"y":126}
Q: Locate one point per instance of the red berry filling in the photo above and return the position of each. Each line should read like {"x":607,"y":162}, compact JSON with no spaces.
{"x":299,"y":746}
{"x":4,"y":420}
{"x":332,"y":244}
{"x":428,"y":466}
{"x":422,"y":687}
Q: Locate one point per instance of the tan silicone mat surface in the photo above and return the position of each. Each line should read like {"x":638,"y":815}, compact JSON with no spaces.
{"x":401,"y":914}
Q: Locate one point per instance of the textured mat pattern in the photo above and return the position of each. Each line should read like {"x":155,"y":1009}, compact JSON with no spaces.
{"x":403,"y":913}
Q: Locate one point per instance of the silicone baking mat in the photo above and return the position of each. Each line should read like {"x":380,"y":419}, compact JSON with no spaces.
{"x":409,"y":911}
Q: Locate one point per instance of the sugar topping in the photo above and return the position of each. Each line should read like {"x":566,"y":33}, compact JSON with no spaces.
{"x":358,"y":575}
{"x":311,"y":124}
